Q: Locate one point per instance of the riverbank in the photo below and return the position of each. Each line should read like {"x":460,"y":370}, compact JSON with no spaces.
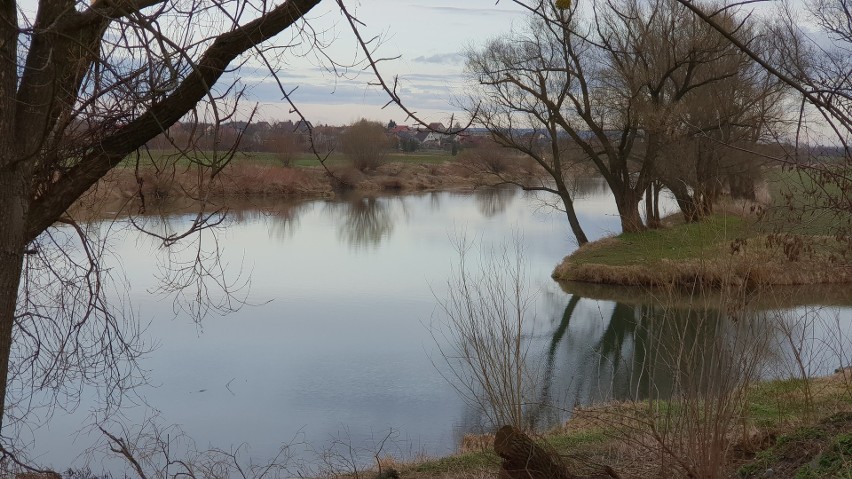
{"x":780,"y":240}
{"x":789,"y":428}
{"x":258,"y":179}
{"x":721,"y":250}
{"x":138,"y":189}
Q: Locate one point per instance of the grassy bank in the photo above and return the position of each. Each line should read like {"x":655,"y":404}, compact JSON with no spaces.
{"x":788,"y":429}
{"x":721,"y":250}
{"x":786,"y":244}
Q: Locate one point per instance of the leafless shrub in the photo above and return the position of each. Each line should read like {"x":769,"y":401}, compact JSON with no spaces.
{"x":344,"y":178}
{"x":287,"y":147}
{"x":151,"y":451}
{"x":813,"y":341}
{"x":489,"y":157}
{"x":485,"y":337}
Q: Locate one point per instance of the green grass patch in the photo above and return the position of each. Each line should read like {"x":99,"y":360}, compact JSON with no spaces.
{"x":685,"y":241}
{"x":823,"y":450}
{"x":711,"y":238}
{"x":567,"y":442}
{"x":835,"y":462}
{"x":153,"y":157}
{"x":802,"y":203}
{"x":773,"y":403}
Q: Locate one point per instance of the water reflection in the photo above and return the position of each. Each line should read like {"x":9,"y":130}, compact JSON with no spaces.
{"x":599,"y":351}
{"x":282,"y":218}
{"x":366,"y":220}
{"x":493,"y":201}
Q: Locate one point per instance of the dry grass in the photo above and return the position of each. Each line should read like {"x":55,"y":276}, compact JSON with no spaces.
{"x":248,"y":180}
{"x":245,"y":179}
{"x":476,"y":443}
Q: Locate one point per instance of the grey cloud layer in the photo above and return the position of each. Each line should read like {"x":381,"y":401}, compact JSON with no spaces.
{"x":454,"y":58}
{"x":467,"y":10}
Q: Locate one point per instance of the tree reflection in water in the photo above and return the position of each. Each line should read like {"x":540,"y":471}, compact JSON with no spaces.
{"x":494,"y":200}
{"x":284,"y":220}
{"x":366,"y":221}
{"x":636,"y":352}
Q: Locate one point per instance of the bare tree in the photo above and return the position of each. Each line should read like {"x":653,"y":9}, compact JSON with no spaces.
{"x":287,"y":147}
{"x":614,"y":82}
{"x":721,"y":129}
{"x":521,"y":86}
{"x":810,"y":51}
{"x":817,"y":71}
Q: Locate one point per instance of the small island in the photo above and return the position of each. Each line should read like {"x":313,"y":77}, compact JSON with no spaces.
{"x":780,"y":240}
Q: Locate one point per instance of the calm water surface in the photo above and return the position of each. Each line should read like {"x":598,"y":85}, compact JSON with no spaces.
{"x":336,"y":342}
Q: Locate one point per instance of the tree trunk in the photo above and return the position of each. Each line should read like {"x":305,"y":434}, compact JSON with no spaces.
{"x":742,"y":186}
{"x":628,"y":209}
{"x":687,"y":203}
{"x":13,"y":214}
{"x":657,"y":187}
{"x":576,"y":228}
{"x":652,"y":208}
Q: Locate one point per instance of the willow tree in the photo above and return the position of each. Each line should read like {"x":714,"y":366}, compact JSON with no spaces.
{"x":810,"y":52}
{"x":613,"y":80}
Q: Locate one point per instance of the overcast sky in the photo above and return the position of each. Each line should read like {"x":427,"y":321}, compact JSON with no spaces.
{"x":429,"y":39}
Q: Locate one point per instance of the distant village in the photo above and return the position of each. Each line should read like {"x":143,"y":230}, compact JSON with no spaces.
{"x":288,"y":138}
{"x":263,"y":136}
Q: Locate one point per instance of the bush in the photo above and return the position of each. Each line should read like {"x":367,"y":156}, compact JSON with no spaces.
{"x":365,"y":144}
{"x":287,"y":148}
{"x":488,"y":158}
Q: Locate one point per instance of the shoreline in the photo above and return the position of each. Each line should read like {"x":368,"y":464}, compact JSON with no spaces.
{"x":720,"y":252}
{"x":607,"y":434}
{"x":258,"y":179}
{"x":126,"y":189}
{"x":777,"y":297}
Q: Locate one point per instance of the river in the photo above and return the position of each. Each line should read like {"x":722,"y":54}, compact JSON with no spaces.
{"x":335,"y":347}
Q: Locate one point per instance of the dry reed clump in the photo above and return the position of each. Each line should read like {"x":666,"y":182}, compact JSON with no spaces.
{"x":476,"y":443}
{"x":253,"y":179}
{"x":243,"y":179}
{"x":493,"y":160}
{"x":398,"y":177}
{"x":346,"y":178}
{"x":128,"y":183}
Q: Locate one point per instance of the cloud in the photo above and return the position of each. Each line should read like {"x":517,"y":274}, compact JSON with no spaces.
{"x":454,"y":58}
{"x":467,"y":10}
